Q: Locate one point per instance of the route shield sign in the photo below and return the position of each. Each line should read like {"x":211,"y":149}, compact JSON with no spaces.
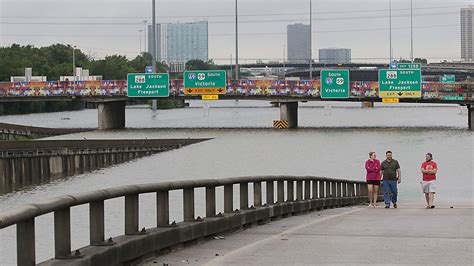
{"x":205,"y":82}
{"x":400,"y":83}
{"x":148,"y":85}
{"x":335,"y":83}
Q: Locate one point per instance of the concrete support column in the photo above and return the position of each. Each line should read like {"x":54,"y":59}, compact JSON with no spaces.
{"x":367,"y":104}
{"x":470,"y":116}
{"x":228,"y":198}
{"x":257,"y":194}
{"x":62,"y":234}
{"x":188,"y":204}
{"x":244,"y":195}
{"x":290,"y":190}
{"x":280,"y":191}
{"x":270,"y":193}
{"x":96,"y":221}
{"x":210,"y":201}
{"x":25,"y":242}
{"x":162,"y":208}
{"x":289,"y":112}
{"x":111,"y":115}
{"x":131,"y":214}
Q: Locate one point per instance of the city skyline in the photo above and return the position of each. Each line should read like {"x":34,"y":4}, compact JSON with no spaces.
{"x":361,"y":26}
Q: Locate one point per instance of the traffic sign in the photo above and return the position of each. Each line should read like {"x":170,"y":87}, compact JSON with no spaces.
{"x":210,"y":97}
{"x":393,"y":65}
{"x":447,"y":79}
{"x":148,"y":85}
{"x":408,"y":66}
{"x":205,"y":82}
{"x":453,"y":98}
{"x":390,"y":100}
{"x":400,"y":83}
{"x":148,"y":69}
{"x":335,"y":83}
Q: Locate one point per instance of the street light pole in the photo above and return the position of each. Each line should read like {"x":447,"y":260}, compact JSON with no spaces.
{"x":144,"y":37}
{"x":153,"y":36}
{"x":411,"y":29}
{"x":140,"y":38}
{"x":284,"y":55}
{"x":236,"y":43}
{"x":310,"y":42}
{"x":390,"y":22}
{"x":74,"y":63}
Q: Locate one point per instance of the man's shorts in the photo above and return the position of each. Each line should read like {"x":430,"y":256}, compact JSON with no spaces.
{"x":429,"y":186}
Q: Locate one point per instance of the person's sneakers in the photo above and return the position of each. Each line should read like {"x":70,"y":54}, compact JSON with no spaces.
{"x":387,"y":206}
{"x":395,"y":205}
{"x":432,"y":206}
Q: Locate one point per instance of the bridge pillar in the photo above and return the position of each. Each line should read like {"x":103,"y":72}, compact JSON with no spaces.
{"x":367,"y":104}
{"x":289,"y":112}
{"x":470,"y":116}
{"x":111,"y":115}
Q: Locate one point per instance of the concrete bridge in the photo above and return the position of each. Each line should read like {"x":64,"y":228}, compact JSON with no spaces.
{"x":11,"y":131}
{"x":360,"y":235}
{"x":111,"y":96}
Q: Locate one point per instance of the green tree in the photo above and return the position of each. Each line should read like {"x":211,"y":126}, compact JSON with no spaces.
{"x":200,"y":65}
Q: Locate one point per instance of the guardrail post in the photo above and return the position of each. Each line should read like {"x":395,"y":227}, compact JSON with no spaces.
{"x":188,"y":204}
{"x":96,"y":223}
{"x":280,"y":191}
{"x":131,"y":214}
{"x":244,"y":195}
{"x":307,"y":189}
{"x":162,"y":208}
{"x":62,"y":233}
{"x":25,"y":243}
{"x":257,"y":194}
{"x":299,"y":190}
{"x":321,"y":189}
{"x":290,"y":190}
{"x":328,"y":189}
{"x":315,"y":189}
{"x":270,"y":192}
{"x":210,"y":201}
{"x":229,"y":198}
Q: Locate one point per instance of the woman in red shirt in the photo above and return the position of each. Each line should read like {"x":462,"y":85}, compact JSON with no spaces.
{"x":372,"y":166}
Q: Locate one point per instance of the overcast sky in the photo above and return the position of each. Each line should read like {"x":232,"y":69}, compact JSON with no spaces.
{"x":112,"y":27}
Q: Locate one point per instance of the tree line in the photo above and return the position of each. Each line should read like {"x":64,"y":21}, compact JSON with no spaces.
{"x":56,"y":60}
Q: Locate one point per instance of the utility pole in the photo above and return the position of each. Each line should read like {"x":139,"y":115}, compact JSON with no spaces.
{"x":74,"y":63}
{"x":236,"y":43}
{"x":284,"y":55}
{"x":310,"y":41}
{"x":140,"y":38}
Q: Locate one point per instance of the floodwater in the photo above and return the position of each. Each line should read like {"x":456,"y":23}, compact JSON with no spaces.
{"x":333,"y":141}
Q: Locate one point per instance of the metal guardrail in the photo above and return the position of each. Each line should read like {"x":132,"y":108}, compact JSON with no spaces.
{"x":314,"y":192}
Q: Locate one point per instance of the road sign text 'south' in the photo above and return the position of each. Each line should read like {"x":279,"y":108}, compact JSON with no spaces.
{"x":335,"y":83}
{"x":400,"y":83}
{"x":205,"y":82}
{"x":148,"y":85}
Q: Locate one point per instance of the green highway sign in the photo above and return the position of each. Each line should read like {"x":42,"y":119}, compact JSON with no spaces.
{"x":408,"y":66}
{"x":148,"y":84}
{"x":453,"y":98}
{"x":205,"y":82}
{"x":400,"y":83}
{"x":447,"y":79}
{"x":335,"y":83}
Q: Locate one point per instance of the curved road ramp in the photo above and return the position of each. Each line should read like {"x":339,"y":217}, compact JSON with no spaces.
{"x":27,"y":163}
{"x":261,"y":199}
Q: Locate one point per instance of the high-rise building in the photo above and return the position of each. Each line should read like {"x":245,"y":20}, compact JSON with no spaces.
{"x":467,"y":33}
{"x":335,"y":56}
{"x":299,"y":42}
{"x":180,"y":42}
